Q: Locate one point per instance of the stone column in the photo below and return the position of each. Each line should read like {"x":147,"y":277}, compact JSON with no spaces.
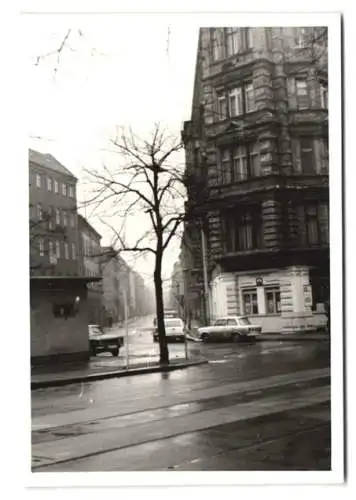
{"x":296,"y":306}
{"x":261,"y":300}
{"x":281,"y":101}
{"x":272,"y":230}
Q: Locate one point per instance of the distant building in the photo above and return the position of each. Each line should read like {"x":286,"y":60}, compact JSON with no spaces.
{"x":58,"y":291}
{"x":121,"y":283}
{"x":177,"y":295}
{"x":90,"y":257}
{"x":54,"y":242}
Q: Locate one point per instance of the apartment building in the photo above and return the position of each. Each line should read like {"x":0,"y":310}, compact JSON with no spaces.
{"x":257,"y":153}
{"x":54,"y":241}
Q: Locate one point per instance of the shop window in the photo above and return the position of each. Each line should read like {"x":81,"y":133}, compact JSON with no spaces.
{"x":273,"y":300}
{"x":249,"y":301}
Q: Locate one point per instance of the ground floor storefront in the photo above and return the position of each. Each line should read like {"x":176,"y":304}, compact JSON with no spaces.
{"x":285,"y":300}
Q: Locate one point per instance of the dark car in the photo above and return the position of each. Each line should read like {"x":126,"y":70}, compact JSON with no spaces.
{"x":99,"y":341}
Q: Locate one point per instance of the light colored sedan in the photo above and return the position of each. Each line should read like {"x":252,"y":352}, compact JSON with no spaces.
{"x":235,"y":328}
{"x":174,"y":329}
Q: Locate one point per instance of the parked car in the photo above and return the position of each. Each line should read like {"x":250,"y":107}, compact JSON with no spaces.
{"x":235,"y":328}
{"x":99,"y":341}
{"x":174,"y":329}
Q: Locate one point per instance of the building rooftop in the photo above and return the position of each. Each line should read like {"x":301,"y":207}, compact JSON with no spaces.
{"x":48,"y":161}
{"x":83,"y":221}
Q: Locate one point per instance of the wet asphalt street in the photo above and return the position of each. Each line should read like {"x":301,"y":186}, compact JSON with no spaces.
{"x":252,"y":407}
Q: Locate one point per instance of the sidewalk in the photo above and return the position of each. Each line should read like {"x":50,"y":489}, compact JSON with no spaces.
{"x":71,"y":373}
{"x":282,"y":337}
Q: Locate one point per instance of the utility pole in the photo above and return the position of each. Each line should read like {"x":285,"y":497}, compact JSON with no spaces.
{"x":205,"y":275}
{"x":126,"y":328}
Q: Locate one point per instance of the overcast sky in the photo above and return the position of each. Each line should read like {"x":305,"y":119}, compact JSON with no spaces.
{"x":124,"y":70}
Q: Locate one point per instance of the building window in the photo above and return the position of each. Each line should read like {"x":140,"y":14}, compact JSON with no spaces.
{"x":38,"y":180}
{"x":239,"y":164}
{"x":273,"y":300}
{"x":323,"y":96}
{"x":249,"y":301}
{"x":323,"y":219}
{"x":301,"y":86}
{"x":255,"y":160}
{"x":39,"y":212}
{"x":66,"y":250}
{"x":244,"y":231}
{"x":301,"y":37}
{"x":41,"y":247}
{"x":249,"y":38}
{"x":56,"y":186}
{"x":58,"y":249}
{"x":224,"y":166}
{"x":268,"y":33}
{"x":235,"y":102}
{"x":307,"y":157}
{"x":72,"y":220}
{"x":64,"y":189}
{"x":249,"y":98}
{"x":71,"y":191}
{"x":50,"y":218}
{"x":317,"y":224}
{"x":50,"y":250}
{"x":74,"y":251}
{"x":65,"y":221}
{"x":324,"y":155}
{"x":218,"y":44}
{"x":49,"y":183}
{"x":241,"y":100}
{"x":232,"y":41}
{"x":58,"y":217}
{"x":222,"y":105}
{"x":312,"y":225}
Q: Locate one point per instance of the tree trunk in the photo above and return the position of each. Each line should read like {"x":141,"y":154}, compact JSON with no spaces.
{"x":163,"y":348}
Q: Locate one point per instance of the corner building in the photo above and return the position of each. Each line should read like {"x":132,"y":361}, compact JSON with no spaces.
{"x":257,"y":160}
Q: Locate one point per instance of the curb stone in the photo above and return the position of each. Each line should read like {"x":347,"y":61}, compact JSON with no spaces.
{"x":42,"y":384}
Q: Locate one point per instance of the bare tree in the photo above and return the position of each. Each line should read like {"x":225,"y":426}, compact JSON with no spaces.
{"x":146,"y":182}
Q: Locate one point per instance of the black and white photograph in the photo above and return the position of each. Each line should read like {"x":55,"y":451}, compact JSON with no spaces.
{"x":185,"y":266}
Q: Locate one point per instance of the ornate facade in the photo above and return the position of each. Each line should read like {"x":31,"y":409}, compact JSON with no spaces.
{"x":257,"y":165}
